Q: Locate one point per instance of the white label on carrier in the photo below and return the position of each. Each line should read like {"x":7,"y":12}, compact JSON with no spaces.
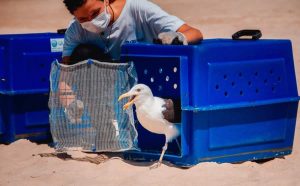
{"x":57,"y":44}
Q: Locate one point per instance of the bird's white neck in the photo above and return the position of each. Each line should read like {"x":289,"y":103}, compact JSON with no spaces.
{"x":144,"y":101}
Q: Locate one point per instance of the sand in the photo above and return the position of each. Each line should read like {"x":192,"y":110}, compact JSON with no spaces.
{"x":20,"y":163}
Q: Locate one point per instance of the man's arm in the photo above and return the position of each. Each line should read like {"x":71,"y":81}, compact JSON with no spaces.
{"x":185,"y":35}
{"x":191,"y":34}
{"x":165,"y":25}
{"x":73,"y":37}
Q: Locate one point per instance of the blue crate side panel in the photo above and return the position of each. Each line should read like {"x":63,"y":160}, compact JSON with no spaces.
{"x":254,"y":132}
{"x":24,"y":116}
{"x":26,"y":62}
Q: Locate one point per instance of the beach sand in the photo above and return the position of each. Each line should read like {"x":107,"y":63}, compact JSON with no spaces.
{"x":20,"y":163}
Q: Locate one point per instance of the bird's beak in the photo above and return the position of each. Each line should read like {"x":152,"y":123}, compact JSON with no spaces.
{"x":131,"y":100}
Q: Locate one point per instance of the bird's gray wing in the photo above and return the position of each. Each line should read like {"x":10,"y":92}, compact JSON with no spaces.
{"x":168,"y":110}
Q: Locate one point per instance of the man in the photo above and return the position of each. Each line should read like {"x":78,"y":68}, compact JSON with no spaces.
{"x":108,"y":25}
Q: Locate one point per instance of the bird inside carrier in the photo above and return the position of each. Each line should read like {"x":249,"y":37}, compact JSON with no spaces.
{"x":84,"y":110}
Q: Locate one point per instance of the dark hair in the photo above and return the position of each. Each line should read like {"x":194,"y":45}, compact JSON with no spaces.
{"x":88,"y":51}
{"x":73,"y":5}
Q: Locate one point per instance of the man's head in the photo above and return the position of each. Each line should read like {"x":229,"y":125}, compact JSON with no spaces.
{"x":85,"y":10}
{"x":73,"y":5}
{"x":88,"y":51}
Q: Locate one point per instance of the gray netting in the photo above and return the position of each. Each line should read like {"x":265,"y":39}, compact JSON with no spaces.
{"x":84,"y":109}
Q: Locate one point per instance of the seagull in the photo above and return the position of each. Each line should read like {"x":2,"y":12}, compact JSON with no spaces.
{"x":149,"y":111}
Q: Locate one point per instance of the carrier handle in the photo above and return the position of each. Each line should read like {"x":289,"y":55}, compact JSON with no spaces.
{"x":256,"y":34}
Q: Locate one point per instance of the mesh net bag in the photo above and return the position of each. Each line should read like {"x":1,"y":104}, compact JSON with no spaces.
{"x":84,"y":110}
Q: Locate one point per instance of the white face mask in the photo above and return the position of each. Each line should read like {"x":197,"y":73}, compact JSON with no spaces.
{"x":99,"y":23}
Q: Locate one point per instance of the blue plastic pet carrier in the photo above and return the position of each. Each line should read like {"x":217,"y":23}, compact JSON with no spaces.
{"x":238,"y":99}
{"x":25,"y":61}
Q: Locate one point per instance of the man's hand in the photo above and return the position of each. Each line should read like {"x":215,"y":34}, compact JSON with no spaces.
{"x":74,"y":111}
{"x":172,"y":38}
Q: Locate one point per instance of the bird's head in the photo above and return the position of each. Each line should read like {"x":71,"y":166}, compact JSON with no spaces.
{"x":138,"y":94}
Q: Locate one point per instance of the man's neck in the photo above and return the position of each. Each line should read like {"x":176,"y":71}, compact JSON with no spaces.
{"x":115,"y":9}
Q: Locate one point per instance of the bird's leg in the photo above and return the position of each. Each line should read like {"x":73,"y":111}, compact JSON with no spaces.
{"x":165,"y":147}
{"x":156,"y":165}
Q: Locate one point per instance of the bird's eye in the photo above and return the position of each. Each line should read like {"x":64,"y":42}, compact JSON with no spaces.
{"x":138,"y":90}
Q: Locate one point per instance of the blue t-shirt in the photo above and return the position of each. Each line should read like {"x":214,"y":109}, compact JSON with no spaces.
{"x":139,"y":21}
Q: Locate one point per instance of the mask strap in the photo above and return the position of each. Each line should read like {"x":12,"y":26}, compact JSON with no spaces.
{"x":106,"y":5}
{"x":112,"y":11}
{"x":106,"y":2}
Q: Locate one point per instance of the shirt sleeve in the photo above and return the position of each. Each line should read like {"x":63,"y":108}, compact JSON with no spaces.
{"x":72,"y":39}
{"x":157,"y":18}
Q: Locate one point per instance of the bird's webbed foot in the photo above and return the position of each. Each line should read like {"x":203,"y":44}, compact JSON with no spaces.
{"x":155,"y":165}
